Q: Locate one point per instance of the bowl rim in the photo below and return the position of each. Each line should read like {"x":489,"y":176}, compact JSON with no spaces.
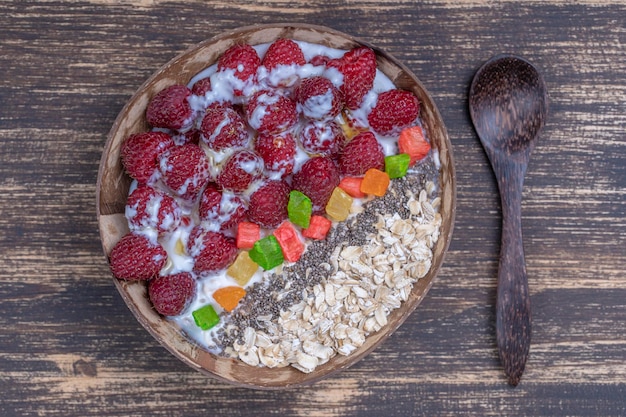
{"x":388,"y":329}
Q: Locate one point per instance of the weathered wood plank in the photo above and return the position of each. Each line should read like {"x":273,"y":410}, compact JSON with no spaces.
{"x":69,"y":346}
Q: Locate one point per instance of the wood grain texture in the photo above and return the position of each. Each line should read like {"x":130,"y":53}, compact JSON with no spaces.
{"x":70,"y":347}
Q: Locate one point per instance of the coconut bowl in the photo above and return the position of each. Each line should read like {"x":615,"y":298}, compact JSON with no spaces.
{"x":113,"y":187}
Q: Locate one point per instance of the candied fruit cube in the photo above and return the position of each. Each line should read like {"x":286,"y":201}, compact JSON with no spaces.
{"x":229,"y":297}
{"x":267,"y":253}
{"x":289,"y":241}
{"x":339,"y":204}
{"x":318,"y":228}
{"x":179,"y":247}
{"x":396,"y":166}
{"x":375,"y":182}
{"x":413,"y":143}
{"x":299,"y":208}
{"x":352,"y":186}
{"x":247,"y":234}
{"x":348,"y":125}
{"x":206,"y":317}
{"x":242,"y":269}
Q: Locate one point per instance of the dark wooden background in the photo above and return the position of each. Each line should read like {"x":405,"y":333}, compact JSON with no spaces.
{"x":70,"y":347}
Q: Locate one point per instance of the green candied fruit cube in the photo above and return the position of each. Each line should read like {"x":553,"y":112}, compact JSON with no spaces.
{"x":267,"y":253}
{"x":299,"y":209}
{"x":206,"y":317}
{"x":396,"y":166}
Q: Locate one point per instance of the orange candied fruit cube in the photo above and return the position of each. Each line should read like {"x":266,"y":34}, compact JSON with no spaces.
{"x":289,"y":241}
{"x":375,"y":182}
{"x":413,"y":143}
{"x":352,"y":186}
{"x":247,"y":234}
{"x":318,"y":228}
{"x":229,"y":297}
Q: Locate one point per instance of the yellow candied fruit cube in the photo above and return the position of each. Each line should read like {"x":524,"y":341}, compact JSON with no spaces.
{"x":348,"y":127}
{"x":242,"y":269}
{"x":179,"y":248}
{"x":339,"y":204}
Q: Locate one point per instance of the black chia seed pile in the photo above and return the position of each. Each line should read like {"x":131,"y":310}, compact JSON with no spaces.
{"x":265,"y":300}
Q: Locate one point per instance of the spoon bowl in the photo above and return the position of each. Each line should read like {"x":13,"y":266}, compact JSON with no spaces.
{"x":508,"y":106}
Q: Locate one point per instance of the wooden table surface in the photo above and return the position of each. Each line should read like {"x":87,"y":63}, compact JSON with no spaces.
{"x":69,"y":346}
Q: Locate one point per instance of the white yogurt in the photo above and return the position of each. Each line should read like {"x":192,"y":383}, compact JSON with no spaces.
{"x":174,"y":244}
{"x":264,"y":100}
{"x":317,"y":107}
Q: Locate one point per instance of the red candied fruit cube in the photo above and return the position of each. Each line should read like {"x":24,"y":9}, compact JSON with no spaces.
{"x":352,"y":186}
{"x":247,"y":234}
{"x":289,"y":241}
{"x":413,"y":143}
{"x":318,"y":228}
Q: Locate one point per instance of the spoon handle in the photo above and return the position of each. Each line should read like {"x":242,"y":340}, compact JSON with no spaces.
{"x":513,"y":316}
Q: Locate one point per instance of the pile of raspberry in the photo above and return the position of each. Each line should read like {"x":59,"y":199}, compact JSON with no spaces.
{"x":219,"y":155}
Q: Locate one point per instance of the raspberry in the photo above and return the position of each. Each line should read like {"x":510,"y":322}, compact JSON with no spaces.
{"x":240,"y":170}
{"x":135,"y":257}
{"x":185,"y":169}
{"x":360,"y":154}
{"x":171,"y":294}
{"x":201,"y":87}
{"x":394,"y":110}
{"x":268,"y":204}
{"x":147,"y":207}
{"x":232,"y":211}
{"x":211,"y":251}
{"x":225,"y":209}
{"x":318,"y":98}
{"x":278,"y":152}
{"x":268,"y":112}
{"x":170,"y":108}
{"x":222,"y":127}
{"x":317,"y":179}
{"x":243,"y":60}
{"x":283,"y":52}
{"x":322,"y":138}
{"x":319,"y":60}
{"x":140,"y":153}
{"x":210,"y":202}
{"x":190,"y":136}
{"x":358,"y":67}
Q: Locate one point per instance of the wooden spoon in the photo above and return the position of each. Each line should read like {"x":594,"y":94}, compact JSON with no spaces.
{"x":508,"y":105}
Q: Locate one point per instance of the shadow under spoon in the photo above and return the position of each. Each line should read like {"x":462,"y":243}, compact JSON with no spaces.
{"x":508,"y":105}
